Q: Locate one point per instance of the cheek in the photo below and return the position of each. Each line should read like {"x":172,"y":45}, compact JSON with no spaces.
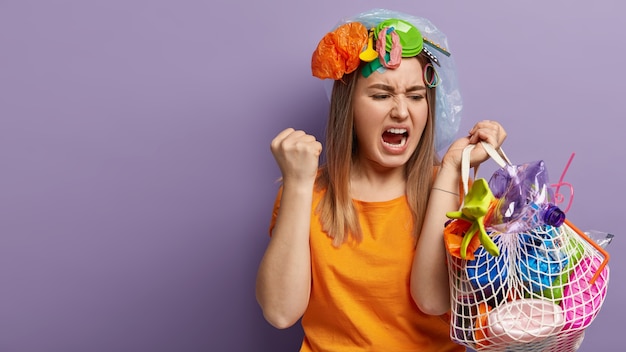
{"x":368,"y":118}
{"x":365,"y":128}
{"x":420,"y":115}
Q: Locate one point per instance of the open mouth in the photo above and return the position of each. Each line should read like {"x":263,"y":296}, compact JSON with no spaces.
{"x":395,"y":137}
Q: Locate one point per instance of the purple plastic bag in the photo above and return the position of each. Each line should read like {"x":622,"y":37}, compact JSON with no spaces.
{"x":524,"y":199}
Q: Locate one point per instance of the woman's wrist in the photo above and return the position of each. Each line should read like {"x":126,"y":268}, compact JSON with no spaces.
{"x":448,"y":180}
{"x":456,"y":194}
{"x":450,"y":166}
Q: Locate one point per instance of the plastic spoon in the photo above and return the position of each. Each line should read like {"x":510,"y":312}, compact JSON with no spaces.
{"x":369,"y":54}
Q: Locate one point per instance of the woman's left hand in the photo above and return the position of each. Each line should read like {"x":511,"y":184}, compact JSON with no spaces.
{"x":488,"y":131}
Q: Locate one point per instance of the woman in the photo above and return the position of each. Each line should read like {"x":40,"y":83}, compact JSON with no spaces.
{"x":356,"y":246}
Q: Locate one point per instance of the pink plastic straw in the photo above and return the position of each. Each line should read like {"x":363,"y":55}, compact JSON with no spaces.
{"x":559,"y":197}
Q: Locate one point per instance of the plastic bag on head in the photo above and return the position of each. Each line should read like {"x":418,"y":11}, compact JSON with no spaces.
{"x":449,"y":102}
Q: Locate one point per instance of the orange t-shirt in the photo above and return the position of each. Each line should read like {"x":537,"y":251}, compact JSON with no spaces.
{"x":360,"y":297}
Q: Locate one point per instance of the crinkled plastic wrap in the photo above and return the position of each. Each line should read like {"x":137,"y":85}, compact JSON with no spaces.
{"x":343,"y":45}
{"x":524,"y":199}
{"x":449,"y":102}
{"x":603,"y":239}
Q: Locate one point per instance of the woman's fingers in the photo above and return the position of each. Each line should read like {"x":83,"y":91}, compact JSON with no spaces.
{"x":290,"y":140}
{"x":489,"y":131}
{"x":297,"y":153}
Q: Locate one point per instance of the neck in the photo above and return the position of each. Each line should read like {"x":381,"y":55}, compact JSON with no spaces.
{"x":372,"y":185}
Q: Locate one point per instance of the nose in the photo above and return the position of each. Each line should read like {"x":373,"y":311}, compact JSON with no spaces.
{"x":400,"y":109}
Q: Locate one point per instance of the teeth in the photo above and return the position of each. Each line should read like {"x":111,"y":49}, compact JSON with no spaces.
{"x":397,"y":130}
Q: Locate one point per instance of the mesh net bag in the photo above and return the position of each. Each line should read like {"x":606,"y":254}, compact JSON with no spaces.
{"x":520,"y":280}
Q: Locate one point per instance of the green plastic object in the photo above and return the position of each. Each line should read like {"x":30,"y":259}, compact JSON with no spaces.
{"x":475,"y":207}
{"x":410,"y":37}
{"x":575,"y":251}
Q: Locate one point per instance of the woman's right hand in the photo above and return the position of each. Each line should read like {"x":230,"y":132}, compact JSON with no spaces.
{"x":283,"y":285}
{"x":297,"y":154}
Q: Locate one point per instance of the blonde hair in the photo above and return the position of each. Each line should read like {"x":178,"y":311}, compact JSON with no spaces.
{"x":336,"y":210}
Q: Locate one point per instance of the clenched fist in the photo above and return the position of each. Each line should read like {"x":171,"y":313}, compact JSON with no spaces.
{"x":297,"y":155}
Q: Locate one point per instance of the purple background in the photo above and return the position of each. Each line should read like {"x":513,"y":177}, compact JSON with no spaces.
{"x":137,"y":182}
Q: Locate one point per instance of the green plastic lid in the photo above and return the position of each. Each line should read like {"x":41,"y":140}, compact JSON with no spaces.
{"x":410,"y":37}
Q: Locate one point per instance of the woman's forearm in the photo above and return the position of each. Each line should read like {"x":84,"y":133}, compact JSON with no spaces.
{"x":284,"y":277}
{"x":429,"y":276}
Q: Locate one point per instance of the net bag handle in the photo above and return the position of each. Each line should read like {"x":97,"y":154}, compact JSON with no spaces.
{"x":497,"y":155}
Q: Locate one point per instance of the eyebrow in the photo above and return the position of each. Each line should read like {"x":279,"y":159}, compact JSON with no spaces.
{"x":391,"y":90}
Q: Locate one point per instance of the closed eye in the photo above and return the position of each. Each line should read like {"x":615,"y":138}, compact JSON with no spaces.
{"x":416,"y":97}
{"x":380,"y":96}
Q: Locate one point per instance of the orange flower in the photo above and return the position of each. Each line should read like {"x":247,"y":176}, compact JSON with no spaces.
{"x":453,"y":234}
{"x":338,"y":52}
